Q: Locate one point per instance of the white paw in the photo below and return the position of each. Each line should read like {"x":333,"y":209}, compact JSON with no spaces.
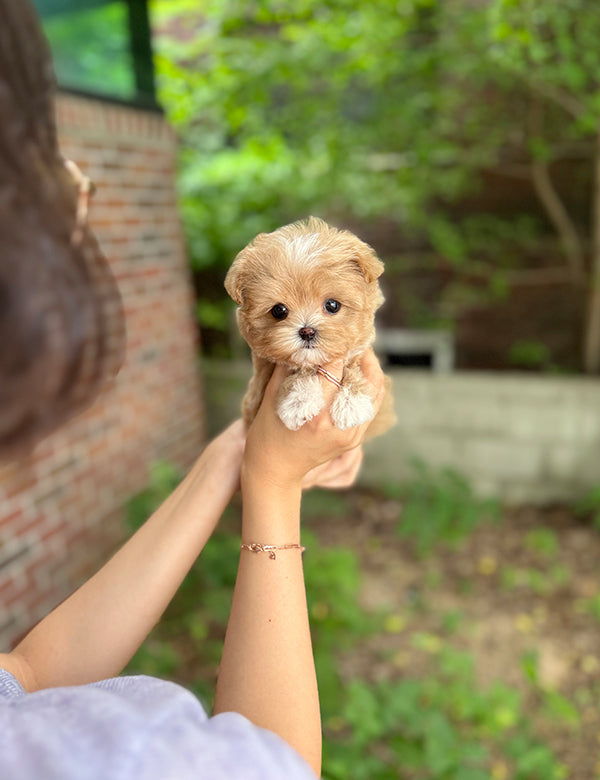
{"x":351,"y":409}
{"x":300,"y":400}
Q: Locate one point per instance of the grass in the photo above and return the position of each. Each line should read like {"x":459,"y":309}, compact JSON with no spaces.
{"x":401,"y":687}
{"x":448,"y":502}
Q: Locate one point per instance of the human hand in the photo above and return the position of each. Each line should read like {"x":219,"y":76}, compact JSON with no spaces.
{"x":341,"y":472}
{"x":222,"y":459}
{"x":283,"y":458}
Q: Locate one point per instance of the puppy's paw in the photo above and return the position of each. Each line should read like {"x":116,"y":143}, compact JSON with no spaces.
{"x":300,"y":399}
{"x":351,"y":409}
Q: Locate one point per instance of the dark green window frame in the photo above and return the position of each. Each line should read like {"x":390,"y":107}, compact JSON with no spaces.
{"x":138,"y":42}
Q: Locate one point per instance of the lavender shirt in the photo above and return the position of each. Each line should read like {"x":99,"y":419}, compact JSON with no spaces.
{"x":132,"y":728}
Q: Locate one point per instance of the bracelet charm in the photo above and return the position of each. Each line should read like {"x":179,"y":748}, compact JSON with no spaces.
{"x":255,"y":547}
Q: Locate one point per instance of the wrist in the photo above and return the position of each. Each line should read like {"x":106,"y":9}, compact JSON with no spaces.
{"x":216,"y":472}
{"x":271,"y":512}
{"x":268,"y":480}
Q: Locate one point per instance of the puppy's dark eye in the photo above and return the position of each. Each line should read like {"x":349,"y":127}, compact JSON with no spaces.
{"x":332,"y":306}
{"x":279,"y":311}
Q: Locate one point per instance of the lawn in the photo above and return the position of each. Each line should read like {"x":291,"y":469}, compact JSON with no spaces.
{"x":454,"y":639}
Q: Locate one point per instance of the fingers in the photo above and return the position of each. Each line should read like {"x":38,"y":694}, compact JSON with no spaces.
{"x":369,"y":365}
{"x":348,"y":467}
{"x":334,"y":373}
{"x":279,"y":374}
{"x":289,"y":455}
{"x":373,"y":373}
{"x":341,"y":472}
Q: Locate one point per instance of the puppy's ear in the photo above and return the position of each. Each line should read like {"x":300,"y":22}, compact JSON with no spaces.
{"x":369,"y":264}
{"x":234,"y":281}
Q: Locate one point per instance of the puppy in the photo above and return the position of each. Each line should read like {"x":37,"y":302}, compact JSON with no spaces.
{"x":307,"y":296}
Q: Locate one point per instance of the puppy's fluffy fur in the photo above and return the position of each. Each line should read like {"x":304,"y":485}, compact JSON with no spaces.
{"x":307,"y":295}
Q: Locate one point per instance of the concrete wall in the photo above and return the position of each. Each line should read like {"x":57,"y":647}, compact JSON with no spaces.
{"x":519,"y":437}
{"x":522,"y":438}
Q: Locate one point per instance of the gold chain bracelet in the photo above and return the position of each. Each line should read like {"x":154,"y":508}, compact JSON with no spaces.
{"x":329,"y":377}
{"x":255,"y":547}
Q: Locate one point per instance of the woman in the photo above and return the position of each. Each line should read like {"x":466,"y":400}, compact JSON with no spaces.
{"x":64,"y":712}
{"x":58,"y":721}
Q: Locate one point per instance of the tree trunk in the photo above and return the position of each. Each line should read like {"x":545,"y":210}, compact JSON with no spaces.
{"x":559,"y":216}
{"x":591,"y":357}
{"x":551,"y":200}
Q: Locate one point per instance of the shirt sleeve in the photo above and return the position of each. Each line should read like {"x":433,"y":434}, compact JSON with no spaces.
{"x":133,"y":728}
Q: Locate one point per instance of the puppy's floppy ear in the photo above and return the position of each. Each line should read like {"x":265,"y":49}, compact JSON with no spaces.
{"x":234,"y":281}
{"x":369,"y":264}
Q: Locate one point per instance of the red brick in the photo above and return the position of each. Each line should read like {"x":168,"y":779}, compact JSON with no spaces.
{"x":83,"y":475}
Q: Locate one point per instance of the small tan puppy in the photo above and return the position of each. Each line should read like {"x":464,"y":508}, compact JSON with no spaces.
{"x":307,"y":296}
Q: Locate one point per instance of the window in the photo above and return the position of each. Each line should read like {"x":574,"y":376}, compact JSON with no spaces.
{"x":101,"y":47}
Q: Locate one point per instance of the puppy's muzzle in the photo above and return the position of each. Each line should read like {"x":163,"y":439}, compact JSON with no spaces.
{"x":307,"y":334}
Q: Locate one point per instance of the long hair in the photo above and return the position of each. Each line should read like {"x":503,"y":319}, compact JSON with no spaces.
{"x":61,"y":320}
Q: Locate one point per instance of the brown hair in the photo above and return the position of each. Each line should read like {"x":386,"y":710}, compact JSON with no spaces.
{"x":61,"y":321}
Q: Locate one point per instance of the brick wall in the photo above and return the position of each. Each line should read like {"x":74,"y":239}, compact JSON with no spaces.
{"x":61,"y":507}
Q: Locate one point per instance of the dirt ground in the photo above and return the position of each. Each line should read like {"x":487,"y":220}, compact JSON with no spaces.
{"x":524,"y":587}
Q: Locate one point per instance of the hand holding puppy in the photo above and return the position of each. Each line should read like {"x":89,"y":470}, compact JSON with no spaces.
{"x":284,"y":458}
{"x":307,"y":296}
{"x":268,"y":626}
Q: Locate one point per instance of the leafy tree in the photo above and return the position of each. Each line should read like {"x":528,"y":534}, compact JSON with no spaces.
{"x":90,"y":48}
{"x":400,"y":109}
{"x":551,"y":51}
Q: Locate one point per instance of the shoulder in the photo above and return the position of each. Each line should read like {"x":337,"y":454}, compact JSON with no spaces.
{"x":134,"y":727}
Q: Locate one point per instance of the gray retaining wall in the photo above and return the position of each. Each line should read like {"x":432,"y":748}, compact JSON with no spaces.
{"x":519,"y":437}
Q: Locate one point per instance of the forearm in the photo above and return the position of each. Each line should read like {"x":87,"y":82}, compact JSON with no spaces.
{"x":95,"y":632}
{"x":267,"y":671}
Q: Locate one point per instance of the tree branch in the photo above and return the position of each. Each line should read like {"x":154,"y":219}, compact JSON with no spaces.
{"x":551,"y":201}
{"x":591,"y":357}
{"x":558,"y":96}
{"x":560,"y":218}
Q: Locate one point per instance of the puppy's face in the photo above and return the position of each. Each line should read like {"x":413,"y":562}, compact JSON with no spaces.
{"x":307,"y":294}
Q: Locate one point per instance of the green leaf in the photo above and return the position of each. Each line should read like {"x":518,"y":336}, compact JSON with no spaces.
{"x":559,"y":707}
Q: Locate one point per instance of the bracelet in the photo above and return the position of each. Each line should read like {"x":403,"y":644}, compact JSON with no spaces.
{"x":329,"y":377}
{"x":255,"y":547}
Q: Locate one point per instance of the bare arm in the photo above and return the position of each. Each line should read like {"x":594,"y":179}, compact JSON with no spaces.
{"x":267,"y":671}
{"x":94,"y":633}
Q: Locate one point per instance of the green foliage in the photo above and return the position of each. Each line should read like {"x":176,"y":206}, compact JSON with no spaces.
{"x":543,"y":542}
{"x":543,"y":581}
{"x":333,"y":582}
{"x":91,"y":49}
{"x":317,"y":502}
{"x":559,"y":708}
{"x":157,"y":658}
{"x":530,"y":666}
{"x":290,"y":109}
{"x":530,"y":354}
{"x":556,"y":707}
{"x":589,"y":506}
{"x":440,"y":724}
{"x":550,"y":48}
{"x":592,"y":606}
{"x":440,"y":507}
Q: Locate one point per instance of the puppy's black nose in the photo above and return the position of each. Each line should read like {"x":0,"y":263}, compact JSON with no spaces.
{"x":307,"y":334}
